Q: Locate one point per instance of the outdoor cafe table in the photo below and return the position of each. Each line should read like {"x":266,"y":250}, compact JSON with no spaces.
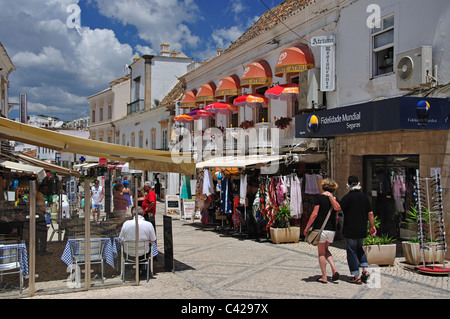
{"x":108,"y":251}
{"x":23,"y":256}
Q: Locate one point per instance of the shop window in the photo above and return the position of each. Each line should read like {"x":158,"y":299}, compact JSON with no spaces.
{"x":383,"y":47}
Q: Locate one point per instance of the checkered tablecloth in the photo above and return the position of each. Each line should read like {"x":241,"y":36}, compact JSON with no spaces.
{"x":108,"y":251}
{"x":116,"y":247}
{"x":23,"y":255}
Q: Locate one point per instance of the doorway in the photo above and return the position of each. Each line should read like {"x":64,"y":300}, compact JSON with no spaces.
{"x":389,"y":184}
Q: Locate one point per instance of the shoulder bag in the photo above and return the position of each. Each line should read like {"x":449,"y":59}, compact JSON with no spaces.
{"x":313,"y":237}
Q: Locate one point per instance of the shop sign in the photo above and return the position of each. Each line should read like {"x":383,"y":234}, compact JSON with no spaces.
{"x":327,"y":62}
{"x":403,"y":113}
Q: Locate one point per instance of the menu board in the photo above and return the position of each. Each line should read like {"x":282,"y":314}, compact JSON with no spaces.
{"x":173,"y":207}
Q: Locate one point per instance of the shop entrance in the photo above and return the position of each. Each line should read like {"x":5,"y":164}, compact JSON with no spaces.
{"x":389,"y":184}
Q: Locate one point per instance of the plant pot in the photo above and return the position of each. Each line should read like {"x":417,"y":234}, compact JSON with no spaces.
{"x":380,"y":254}
{"x":285,"y":235}
{"x":413,"y":253}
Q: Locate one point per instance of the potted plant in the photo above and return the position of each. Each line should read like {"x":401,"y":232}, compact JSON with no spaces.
{"x":283,"y":122}
{"x":380,"y":250}
{"x":280,"y":231}
{"x":247,"y":124}
{"x":411,"y":248}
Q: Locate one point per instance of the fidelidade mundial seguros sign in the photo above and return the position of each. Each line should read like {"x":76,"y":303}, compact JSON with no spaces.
{"x":402,"y":113}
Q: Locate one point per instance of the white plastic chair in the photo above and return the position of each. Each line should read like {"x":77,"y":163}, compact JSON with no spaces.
{"x":10,"y":262}
{"x":78,"y":247}
{"x":145,"y":253}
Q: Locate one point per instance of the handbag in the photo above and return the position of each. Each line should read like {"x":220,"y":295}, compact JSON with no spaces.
{"x":313,"y":237}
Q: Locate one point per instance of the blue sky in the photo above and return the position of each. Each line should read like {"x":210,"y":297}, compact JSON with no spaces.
{"x":59,"y":66}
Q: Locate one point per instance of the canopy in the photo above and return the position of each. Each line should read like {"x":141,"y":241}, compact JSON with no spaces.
{"x":206,"y":93}
{"x":284,"y":92}
{"x":158,"y":161}
{"x":294,"y":60}
{"x":239,"y":161}
{"x":188,"y":100}
{"x":229,"y":86}
{"x":24,"y":168}
{"x":49,"y":166}
{"x":252,"y":100}
{"x":257,"y":73}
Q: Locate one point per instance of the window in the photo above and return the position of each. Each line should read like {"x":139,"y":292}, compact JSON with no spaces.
{"x":153,"y":138}
{"x":109,"y":112}
{"x":141,"y":139}
{"x":101,"y":114}
{"x":133,"y":139}
{"x":137,"y":88}
{"x":383,"y":47}
{"x":93,"y":116}
{"x":165,"y":140}
{"x":262,"y":113}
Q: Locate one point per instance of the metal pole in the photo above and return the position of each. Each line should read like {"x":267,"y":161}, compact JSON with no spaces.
{"x":87,"y":234}
{"x":32,"y":239}
{"x":136,"y":229}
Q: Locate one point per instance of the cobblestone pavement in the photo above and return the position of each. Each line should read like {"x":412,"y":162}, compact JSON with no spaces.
{"x":213,"y":264}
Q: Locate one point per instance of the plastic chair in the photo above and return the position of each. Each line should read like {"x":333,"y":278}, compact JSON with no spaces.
{"x":78,"y":247}
{"x":10,"y":262}
{"x":128,"y":254}
{"x":54,"y":223}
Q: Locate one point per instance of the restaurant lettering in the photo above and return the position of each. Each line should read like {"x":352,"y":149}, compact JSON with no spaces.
{"x":293,"y":68}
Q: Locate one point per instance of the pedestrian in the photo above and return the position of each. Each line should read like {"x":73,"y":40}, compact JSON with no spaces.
{"x":120,"y":202}
{"x":149,"y":203}
{"x":126,"y":192}
{"x":322,"y":206}
{"x":97,"y":194}
{"x":357,"y":212}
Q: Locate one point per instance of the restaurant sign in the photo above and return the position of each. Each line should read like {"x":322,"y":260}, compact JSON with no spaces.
{"x":406,"y":113}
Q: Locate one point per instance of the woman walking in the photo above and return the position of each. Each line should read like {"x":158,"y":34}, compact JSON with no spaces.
{"x":323,"y":203}
{"x":126,"y":192}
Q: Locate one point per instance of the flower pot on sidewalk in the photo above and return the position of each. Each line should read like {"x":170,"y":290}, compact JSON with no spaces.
{"x":285,"y":235}
{"x":380,"y":254}
{"x":413,"y":253}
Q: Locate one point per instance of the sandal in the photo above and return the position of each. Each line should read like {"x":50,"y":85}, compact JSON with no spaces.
{"x":365,"y":275}
{"x":321,"y":281}
{"x":355,"y":280}
{"x":335,"y":276}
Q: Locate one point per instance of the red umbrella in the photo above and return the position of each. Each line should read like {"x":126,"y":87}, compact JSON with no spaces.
{"x":284,"y":92}
{"x":251,"y":100}
{"x":204,"y":114}
{"x":221,"y":107}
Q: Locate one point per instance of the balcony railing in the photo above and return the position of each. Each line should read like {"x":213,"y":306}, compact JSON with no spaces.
{"x":136,"y":106}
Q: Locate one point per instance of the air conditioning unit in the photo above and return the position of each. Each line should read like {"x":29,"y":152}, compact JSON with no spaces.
{"x":414,"y":68}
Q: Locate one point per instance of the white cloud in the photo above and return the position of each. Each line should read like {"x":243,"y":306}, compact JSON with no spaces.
{"x":57,"y":66}
{"x":157,"y":21}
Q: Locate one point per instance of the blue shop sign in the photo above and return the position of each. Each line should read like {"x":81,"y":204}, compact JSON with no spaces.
{"x":402,"y":113}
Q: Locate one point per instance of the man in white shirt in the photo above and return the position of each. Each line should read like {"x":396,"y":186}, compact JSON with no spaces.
{"x":97,"y":195}
{"x":146,"y":231}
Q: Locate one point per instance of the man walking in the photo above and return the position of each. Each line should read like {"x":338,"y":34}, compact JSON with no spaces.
{"x":97,"y":194}
{"x":149,"y":203}
{"x":357,"y":212}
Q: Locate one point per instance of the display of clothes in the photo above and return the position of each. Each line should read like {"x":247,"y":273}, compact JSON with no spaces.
{"x":398,"y":190}
{"x":312,"y":183}
{"x":296,"y":198}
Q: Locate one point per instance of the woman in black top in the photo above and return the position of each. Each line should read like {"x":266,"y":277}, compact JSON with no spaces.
{"x":323,"y":204}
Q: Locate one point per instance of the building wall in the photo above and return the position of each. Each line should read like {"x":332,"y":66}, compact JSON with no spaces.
{"x":433,"y":148}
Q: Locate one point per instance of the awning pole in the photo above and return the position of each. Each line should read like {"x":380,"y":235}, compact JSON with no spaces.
{"x":32,"y":240}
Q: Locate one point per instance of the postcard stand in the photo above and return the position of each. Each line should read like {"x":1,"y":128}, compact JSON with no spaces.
{"x":429,"y":200}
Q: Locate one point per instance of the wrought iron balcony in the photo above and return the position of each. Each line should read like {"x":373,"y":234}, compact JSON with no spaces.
{"x":136,"y":106}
